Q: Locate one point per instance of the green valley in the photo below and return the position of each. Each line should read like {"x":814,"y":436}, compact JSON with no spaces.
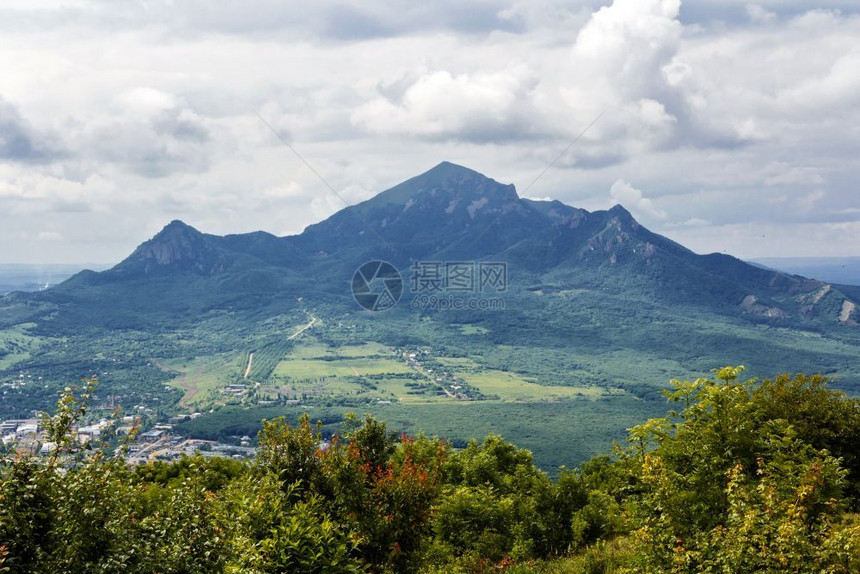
{"x":596,"y":314}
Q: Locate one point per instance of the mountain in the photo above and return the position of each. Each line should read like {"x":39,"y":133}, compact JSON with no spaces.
{"x":449,"y":213}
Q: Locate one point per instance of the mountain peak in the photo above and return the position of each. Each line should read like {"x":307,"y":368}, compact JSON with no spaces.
{"x":447,"y":169}
{"x":618,"y":210}
{"x":175,"y":227}
{"x":176,"y":245}
{"x":177,"y":224}
{"x":447,"y":179}
{"x":620,"y":214}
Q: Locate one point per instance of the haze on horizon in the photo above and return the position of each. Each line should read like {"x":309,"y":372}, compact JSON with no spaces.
{"x":729,"y":126}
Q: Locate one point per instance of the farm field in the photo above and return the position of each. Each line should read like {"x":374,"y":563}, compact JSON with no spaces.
{"x":512,"y":387}
{"x":311,"y":370}
{"x":339,"y":367}
{"x":202,"y":378}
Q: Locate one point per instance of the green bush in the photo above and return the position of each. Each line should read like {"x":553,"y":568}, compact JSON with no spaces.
{"x":729,"y":488}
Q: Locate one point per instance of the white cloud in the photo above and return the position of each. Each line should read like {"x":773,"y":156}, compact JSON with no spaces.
{"x":695,"y":222}
{"x":809,"y":201}
{"x":618,"y":55}
{"x":631,"y":198}
{"x":615,"y":66}
{"x":21,"y":142}
{"x":484,"y":106}
{"x":837,"y":85}
{"x":766,"y":238}
{"x":49,"y":236}
{"x":760,"y":15}
{"x":146,"y":101}
{"x":781,"y":173}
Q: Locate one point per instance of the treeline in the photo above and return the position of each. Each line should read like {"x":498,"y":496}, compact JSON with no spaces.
{"x":743,"y":477}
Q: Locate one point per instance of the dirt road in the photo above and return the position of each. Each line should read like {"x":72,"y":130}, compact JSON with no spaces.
{"x":250,"y":362}
{"x":303,"y":329}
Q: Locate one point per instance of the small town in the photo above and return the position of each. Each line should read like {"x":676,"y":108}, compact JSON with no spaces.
{"x":158,"y":443}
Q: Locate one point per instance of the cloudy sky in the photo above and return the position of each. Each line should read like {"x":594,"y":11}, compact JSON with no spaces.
{"x":727,"y":125}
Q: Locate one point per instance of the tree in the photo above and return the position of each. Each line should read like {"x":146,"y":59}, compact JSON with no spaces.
{"x":726,"y":487}
{"x":291,"y":453}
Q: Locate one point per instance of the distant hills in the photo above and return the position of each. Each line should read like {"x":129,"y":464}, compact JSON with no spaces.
{"x":840,"y":270}
{"x":37,"y":277}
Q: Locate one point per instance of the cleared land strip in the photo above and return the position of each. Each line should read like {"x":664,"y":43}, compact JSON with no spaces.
{"x":250,"y":362}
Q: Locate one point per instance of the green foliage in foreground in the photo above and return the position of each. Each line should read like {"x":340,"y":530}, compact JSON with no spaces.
{"x":744,"y":477}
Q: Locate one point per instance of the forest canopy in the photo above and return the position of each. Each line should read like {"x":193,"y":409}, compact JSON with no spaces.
{"x":740,"y":476}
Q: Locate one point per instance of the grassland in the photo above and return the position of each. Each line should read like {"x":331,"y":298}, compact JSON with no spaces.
{"x":473,"y":330}
{"x":339,"y":367}
{"x":17,"y":345}
{"x":202,"y":378}
{"x":512,"y":387}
